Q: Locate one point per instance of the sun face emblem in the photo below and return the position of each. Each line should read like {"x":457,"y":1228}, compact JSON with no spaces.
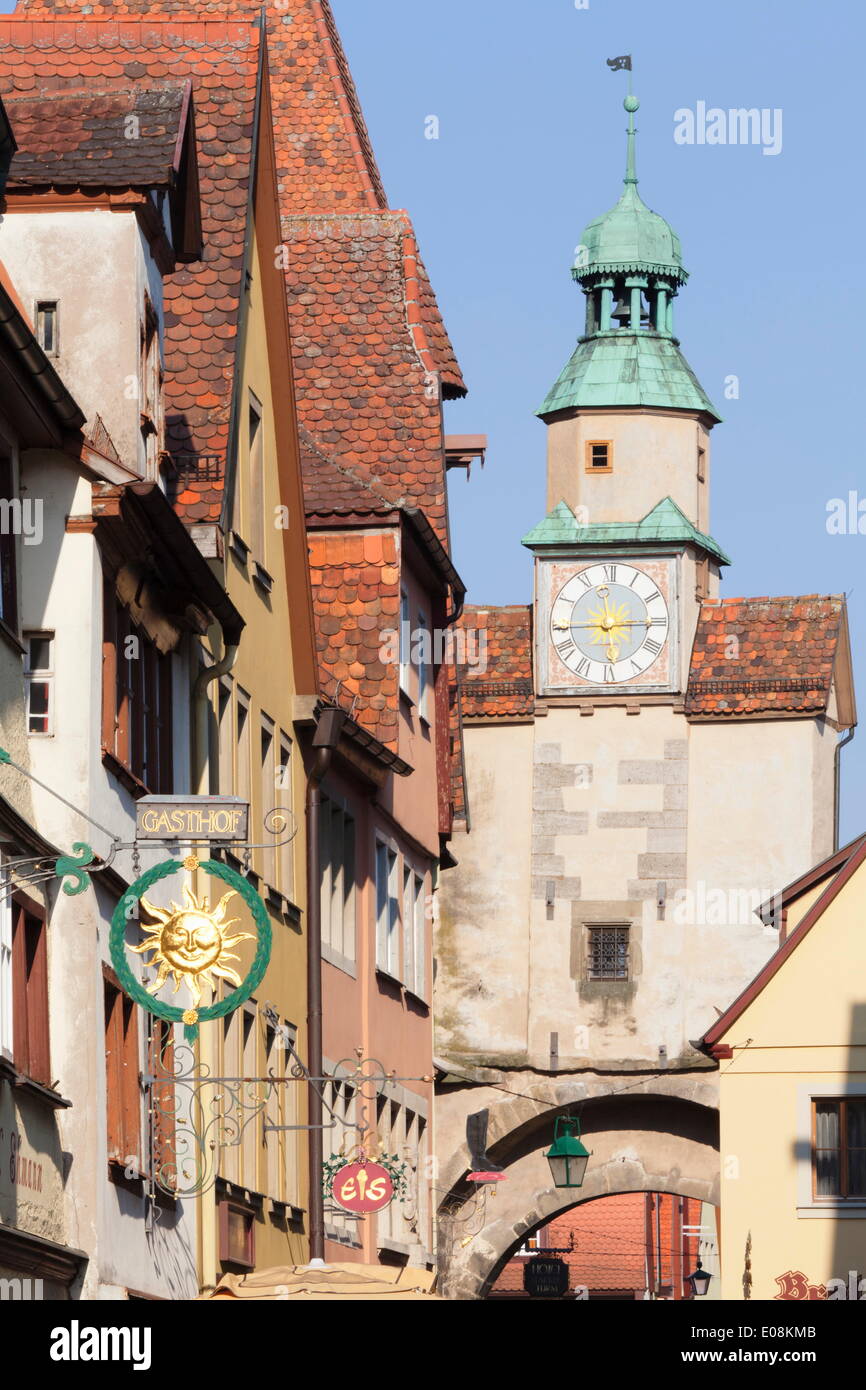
{"x":612,"y":623}
{"x":191,"y":941}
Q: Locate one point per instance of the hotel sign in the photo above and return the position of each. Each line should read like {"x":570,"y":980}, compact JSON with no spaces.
{"x":191,"y":818}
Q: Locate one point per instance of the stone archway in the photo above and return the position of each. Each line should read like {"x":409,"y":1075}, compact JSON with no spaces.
{"x":658,"y":1134}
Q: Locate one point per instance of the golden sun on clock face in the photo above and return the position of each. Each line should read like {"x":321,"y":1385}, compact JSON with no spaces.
{"x":609,"y":623}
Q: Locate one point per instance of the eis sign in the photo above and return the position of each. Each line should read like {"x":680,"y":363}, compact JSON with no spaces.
{"x":362,"y":1188}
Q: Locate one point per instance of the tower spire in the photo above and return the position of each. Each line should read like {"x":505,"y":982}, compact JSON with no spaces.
{"x":631,"y":105}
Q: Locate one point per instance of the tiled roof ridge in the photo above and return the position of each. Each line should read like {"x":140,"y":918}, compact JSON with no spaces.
{"x":42,"y":21}
{"x":773,"y":598}
{"x":434,"y":360}
{"x":412,"y":298}
{"x":367,"y":485}
{"x":349,"y":104}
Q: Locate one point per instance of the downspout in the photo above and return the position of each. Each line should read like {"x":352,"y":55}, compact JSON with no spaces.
{"x":201,"y":712}
{"x":325,"y":740}
{"x":837,"y":784}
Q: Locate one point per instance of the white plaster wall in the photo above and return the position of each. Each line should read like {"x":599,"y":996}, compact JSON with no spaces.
{"x":482,"y":964}
{"x":655,"y":455}
{"x":62,"y":592}
{"x":722,"y":814}
{"x":96,"y":264}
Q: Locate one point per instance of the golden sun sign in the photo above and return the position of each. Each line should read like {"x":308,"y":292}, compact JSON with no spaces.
{"x":611,"y":625}
{"x":191,"y":942}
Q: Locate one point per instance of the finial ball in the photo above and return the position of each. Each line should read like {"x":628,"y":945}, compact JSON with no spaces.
{"x":631,"y":103}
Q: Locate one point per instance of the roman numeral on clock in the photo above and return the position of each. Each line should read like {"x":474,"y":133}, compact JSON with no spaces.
{"x":565,"y":649}
{"x":584,"y":579}
{"x":610,"y":573}
{"x":648,"y":598}
{"x":653,"y":646}
{"x":582,"y":667}
{"x":608,"y":674}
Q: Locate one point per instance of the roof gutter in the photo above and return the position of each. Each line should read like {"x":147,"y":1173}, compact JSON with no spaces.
{"x":439,"y":557}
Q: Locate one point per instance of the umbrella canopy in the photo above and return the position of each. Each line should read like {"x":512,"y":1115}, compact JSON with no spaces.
{"x":333,"y":1281}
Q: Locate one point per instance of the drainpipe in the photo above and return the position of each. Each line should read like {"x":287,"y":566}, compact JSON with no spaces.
{"x":837,"y":781}
{"x":201,"y":711}
{"x":325,"y":740}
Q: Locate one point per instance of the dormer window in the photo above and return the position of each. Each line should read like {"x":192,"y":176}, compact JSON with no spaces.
{"x":46,"y":326}
{"x":599,"y":456}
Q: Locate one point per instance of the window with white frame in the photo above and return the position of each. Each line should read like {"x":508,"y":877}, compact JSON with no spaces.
{"x":405,"y":642}
{"x":337,"y":868}
{"x":414,"y":932}
{"x":422,"y":661}
{"x":39,"y":681}
{"x":284,"y":804}
{"x":387,"y":910}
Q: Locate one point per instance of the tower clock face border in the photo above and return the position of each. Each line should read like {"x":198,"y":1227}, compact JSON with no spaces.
{"x":607,"y":625}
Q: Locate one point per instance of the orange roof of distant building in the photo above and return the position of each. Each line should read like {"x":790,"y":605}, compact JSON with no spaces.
{"x":765,"y":656}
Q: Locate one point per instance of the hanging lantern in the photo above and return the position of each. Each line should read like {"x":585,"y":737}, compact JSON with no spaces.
{"x":699,"y":1280}
{"x":567,"y":1156}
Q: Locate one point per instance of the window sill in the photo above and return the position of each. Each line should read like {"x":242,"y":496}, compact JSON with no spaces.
{"x":262,"y":578}
{"x":417,"y":998}
{"x":282,"y":904}
{"x":842,"y":1209}
{"x":387,"y":975}
{"x":124,"y":774}
{"x":238,"y":547}
{"x":22,"y":1082}
{"x":12,"y":639}
{"x":340,"y":962}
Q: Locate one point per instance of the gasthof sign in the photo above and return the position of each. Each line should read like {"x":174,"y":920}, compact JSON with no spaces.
{"x":191,"y":818}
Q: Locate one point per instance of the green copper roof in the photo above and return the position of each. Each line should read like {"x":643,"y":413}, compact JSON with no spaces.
{"x":665,"y":523}
{"x":622,"y":368}
{"x":630,"y":237}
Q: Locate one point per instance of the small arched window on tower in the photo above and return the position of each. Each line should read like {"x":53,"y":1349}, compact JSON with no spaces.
{"x":599,"y":456}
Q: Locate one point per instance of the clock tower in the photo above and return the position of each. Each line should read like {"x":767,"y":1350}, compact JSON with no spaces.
{"x":646,"y":764}
{"x":624,"y":557}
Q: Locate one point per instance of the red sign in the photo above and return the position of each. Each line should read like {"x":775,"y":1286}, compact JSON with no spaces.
{"x":362,"y":1187}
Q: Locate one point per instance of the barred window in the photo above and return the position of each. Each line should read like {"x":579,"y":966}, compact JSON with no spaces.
{"x":608,"y":953}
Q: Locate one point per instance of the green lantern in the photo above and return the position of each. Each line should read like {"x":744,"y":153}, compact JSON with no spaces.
{"x":567,"y":1156}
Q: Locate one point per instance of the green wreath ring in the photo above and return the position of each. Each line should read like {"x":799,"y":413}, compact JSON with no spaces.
{"x":171,"y":1013}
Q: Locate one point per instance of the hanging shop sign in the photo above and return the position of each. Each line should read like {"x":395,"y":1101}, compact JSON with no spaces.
{"x":190,"y":944}
{"x":362,"y":1188}
{"x":545,"y":1277}
{"x":191,"y":818}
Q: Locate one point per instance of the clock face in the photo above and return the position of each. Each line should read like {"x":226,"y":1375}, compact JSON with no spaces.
{"x":609,"y":624}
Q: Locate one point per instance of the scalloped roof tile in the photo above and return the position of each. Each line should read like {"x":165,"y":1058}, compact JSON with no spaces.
{"x":755,"y":656}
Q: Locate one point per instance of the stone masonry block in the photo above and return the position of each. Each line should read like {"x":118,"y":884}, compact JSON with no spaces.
{"x":547,"y":753}
{"x":676,"y":798}
{"x":562,"y":822}
{"x":661,"y":866}
{"x":676,"y":748}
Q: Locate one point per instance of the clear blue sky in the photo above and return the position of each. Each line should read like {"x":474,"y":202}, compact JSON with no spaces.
{"x":531,"y":148}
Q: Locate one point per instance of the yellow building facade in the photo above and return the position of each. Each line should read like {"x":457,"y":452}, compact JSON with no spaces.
{"x":792,"y":1055}
{"x":255,"y":1214}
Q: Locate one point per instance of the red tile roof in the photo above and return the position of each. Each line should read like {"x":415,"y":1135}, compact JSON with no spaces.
{"x":42,"y":53}
{"x":356,"y":597}
{"x":498,"y":683}
{"x":364,"y":376}
{"x":764,"y":655}
{"x":81,"y":137}
{"x":332,"y":489}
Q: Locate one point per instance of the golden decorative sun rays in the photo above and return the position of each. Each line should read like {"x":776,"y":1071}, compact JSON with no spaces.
{"x":611,"y":625}
{"x":191,"y":941}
